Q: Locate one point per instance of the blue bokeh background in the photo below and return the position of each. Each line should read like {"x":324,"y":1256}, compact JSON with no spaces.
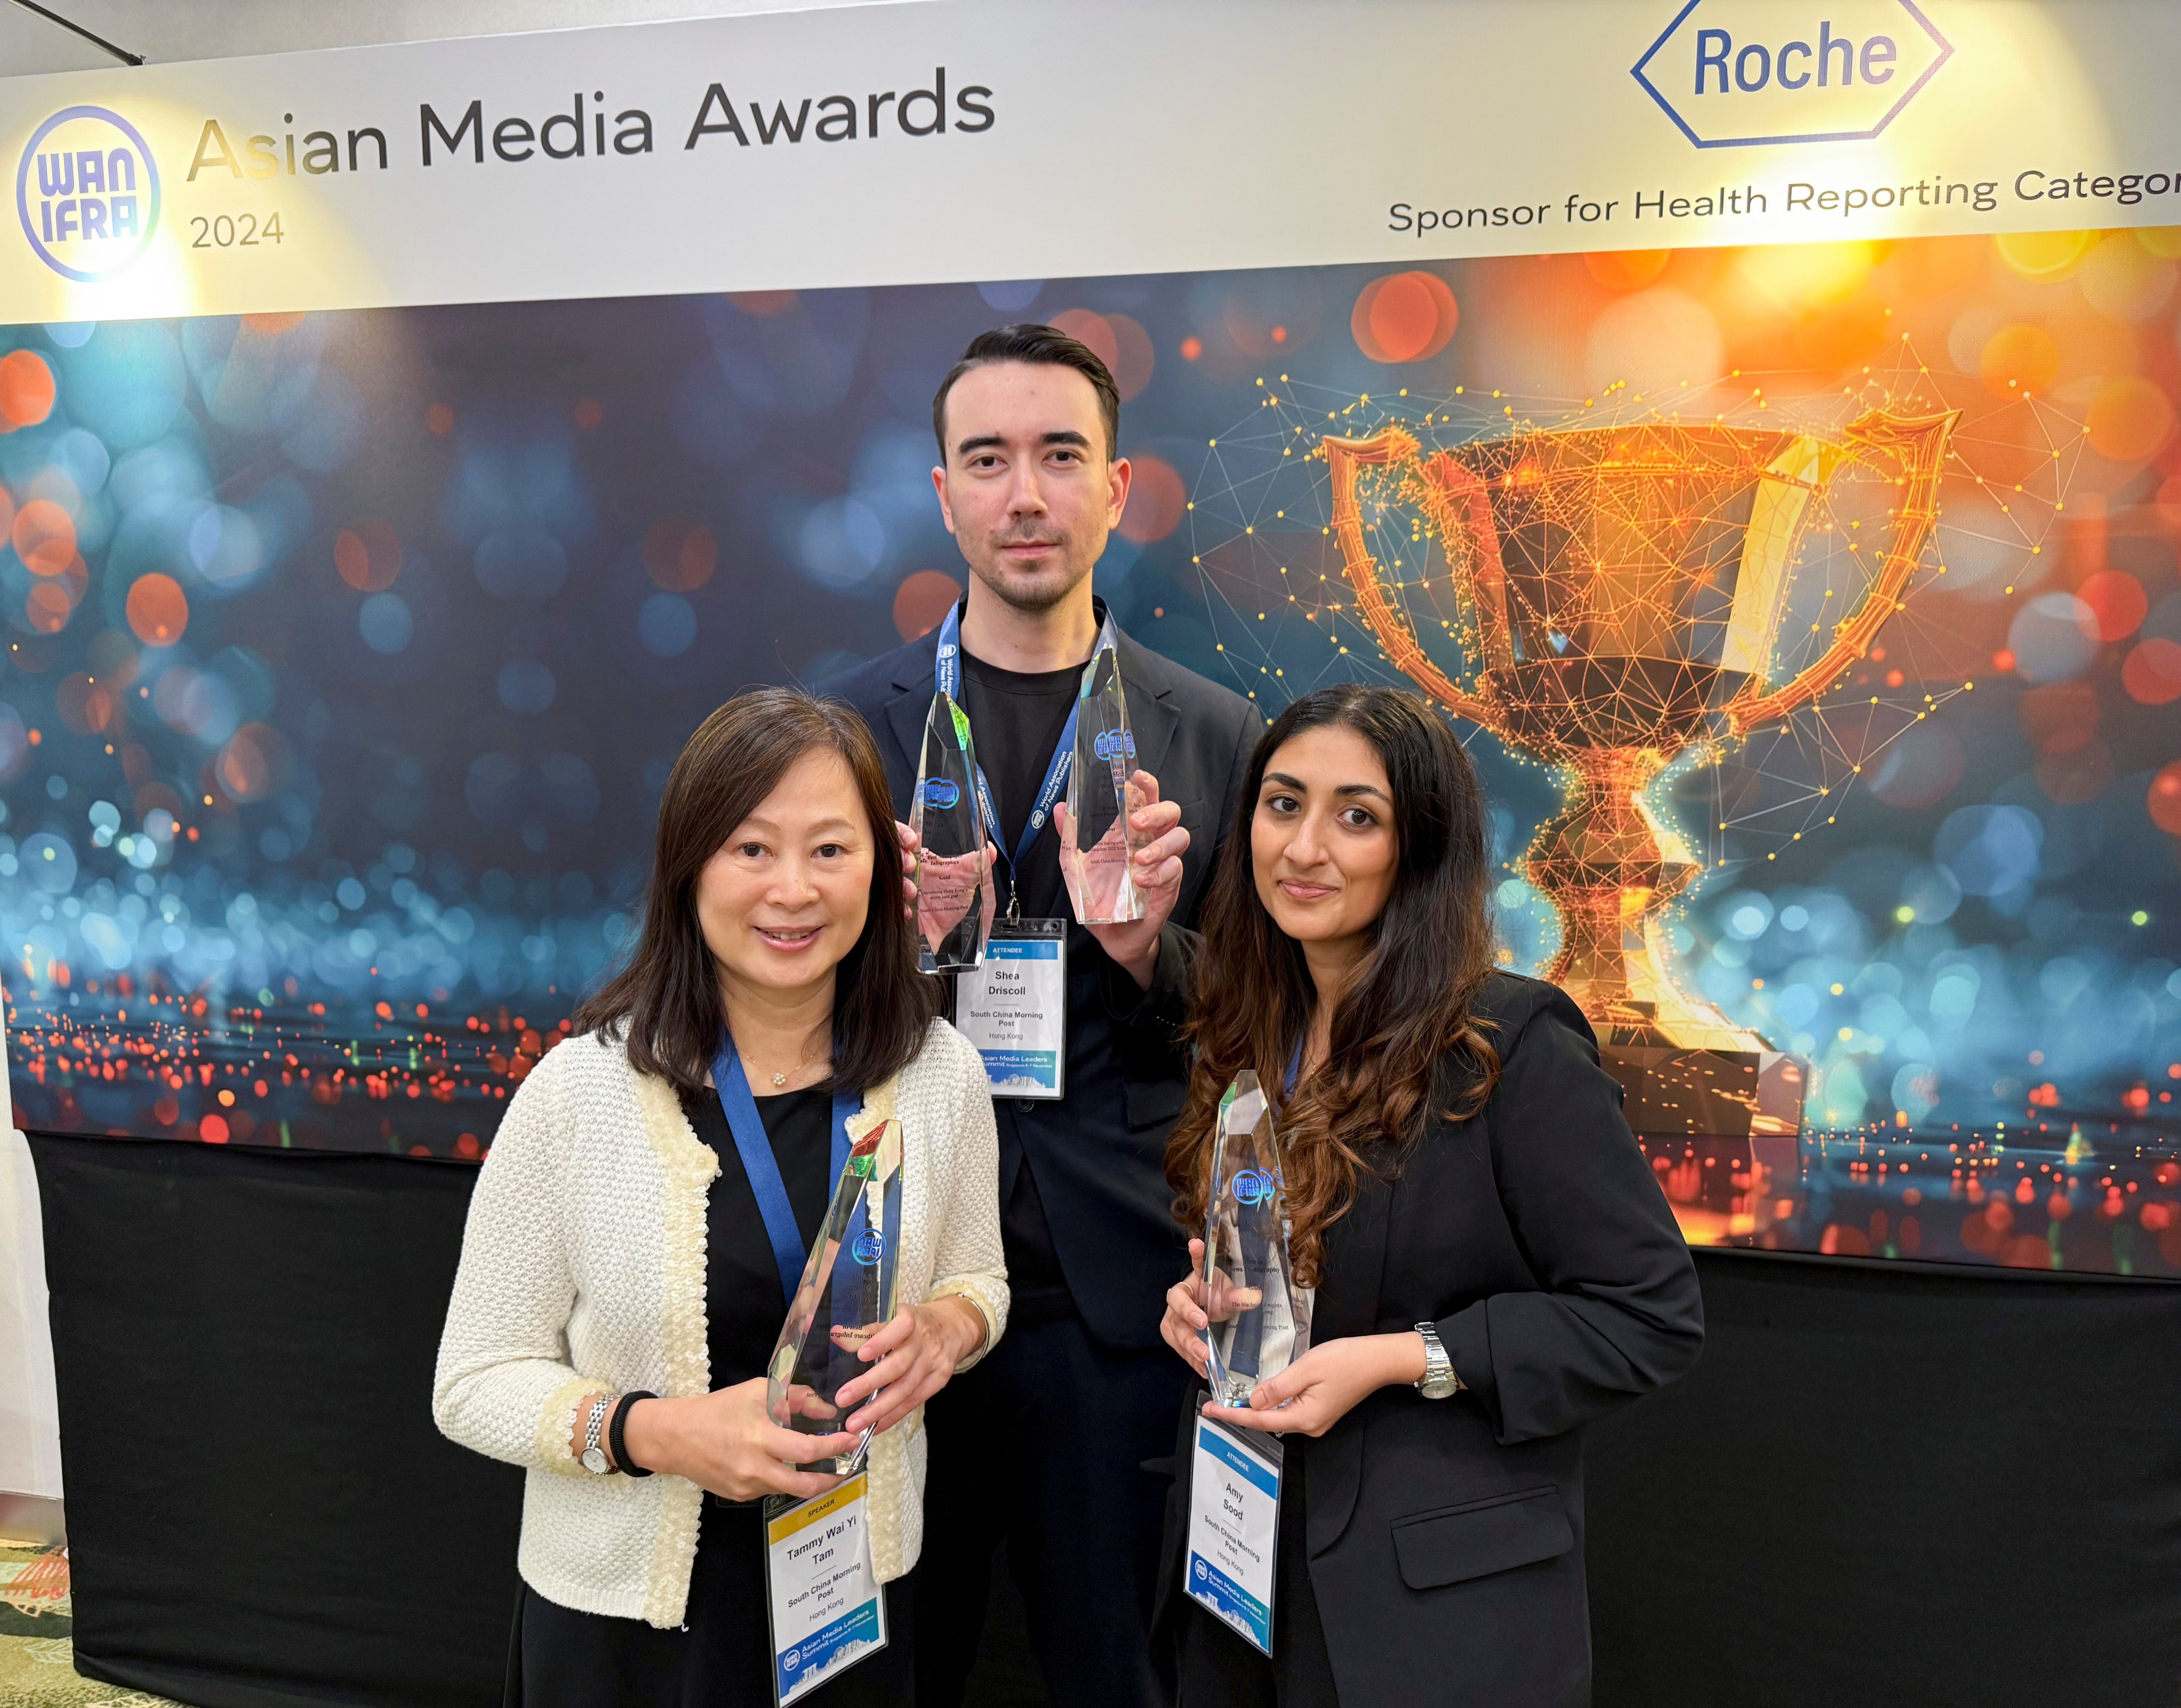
{"x":458,"y":582}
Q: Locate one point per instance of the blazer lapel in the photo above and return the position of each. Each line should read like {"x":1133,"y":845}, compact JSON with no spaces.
{"x":906,"y":712}
{"x":1347,"y":1304}
{"x":1152,"y":719}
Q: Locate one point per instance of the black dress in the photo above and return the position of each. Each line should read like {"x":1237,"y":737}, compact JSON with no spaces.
{"x":722,"y":1657}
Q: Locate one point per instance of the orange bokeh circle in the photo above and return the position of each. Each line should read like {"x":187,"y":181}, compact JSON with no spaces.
{"x":1404,"y":317}
{"x":84,"y":705}
{"x":47,"y":607}
{"x":26,"y":389}
{"x":2042,"y":254}
{"x":1156,"y":500}
{"x":252,"y":762}
{"x":1626,"y":269}
{"x":1134,"y":355}
{"x":2129,"y":417}
{"x":2117,"y":600}
{"x":2164,"y":799}
{"x":369,"y":555}
{"x":2151,"y":672}
{"x":2018,"y":359}
{"x":44,"y":536}
{"x":679,"y":555}
{"x":921,"y":602}
{"x":1088,"y":327}
{"x":158,"y":609}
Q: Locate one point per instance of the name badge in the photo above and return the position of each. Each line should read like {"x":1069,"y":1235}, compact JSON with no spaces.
{"x":1014,"y":1007}
{"x":827,"y":1610}
{"x":1233,"y":1520}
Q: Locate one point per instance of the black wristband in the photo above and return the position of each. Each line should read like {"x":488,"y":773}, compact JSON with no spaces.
{"x":617,"y":1435}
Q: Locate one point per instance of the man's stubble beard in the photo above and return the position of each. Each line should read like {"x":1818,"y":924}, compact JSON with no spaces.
{"x":1028,"y":594}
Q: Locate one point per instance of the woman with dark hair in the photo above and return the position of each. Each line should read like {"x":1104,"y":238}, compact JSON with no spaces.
{"x":622,"y":1273}
{"x":1494,"y":1265}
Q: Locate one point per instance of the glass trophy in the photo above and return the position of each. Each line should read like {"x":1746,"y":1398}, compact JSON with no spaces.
{"x":846,"y":1296}
{"x":953,"y":883}
{"x":1260,"y":1319}
{"x":1097,"y":844}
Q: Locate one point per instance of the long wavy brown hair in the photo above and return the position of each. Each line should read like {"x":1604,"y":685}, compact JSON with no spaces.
{"x":1406,"y":1047}
{"x":665,"y":1002}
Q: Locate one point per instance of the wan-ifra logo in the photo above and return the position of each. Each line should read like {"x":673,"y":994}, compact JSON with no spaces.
{"x":1736,"y":74}
{"x":87,"y":191}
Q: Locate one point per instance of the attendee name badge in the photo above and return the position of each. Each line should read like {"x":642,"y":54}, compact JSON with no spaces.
{"x":826,"y":1608}
{"x":1233,"y":1518}
{"x":1014,"y":1007}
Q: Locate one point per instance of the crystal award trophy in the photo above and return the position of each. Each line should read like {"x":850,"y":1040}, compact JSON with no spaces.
{"x":1097,"y":843}
{"x":1259,"y":1317}
{"x":954,"y":884}
{"x":846,"y":1296}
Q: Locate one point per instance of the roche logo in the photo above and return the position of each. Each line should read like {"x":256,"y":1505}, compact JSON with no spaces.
{"x":87,"y":192}
{"x":1739,"y":73}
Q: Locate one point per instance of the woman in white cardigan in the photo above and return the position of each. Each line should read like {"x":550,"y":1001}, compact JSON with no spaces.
{"x":619,"y":1294}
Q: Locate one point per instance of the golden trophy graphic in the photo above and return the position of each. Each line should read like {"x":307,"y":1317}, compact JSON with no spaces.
{"x":1620,"y":592}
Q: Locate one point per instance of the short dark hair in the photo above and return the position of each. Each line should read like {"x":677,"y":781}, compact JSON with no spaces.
{"x":1043,"y":345}
{"x":665,"y":1002}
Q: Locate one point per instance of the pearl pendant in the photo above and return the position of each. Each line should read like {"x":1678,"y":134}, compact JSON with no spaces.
{"x":780,"y":1079}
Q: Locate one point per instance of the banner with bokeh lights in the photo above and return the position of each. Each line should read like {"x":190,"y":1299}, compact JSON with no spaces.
{"x":1810,"y":606}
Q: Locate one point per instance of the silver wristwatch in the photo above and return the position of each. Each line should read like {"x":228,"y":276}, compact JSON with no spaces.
{"x":593,"y":1456}
{"x":1439,"y":1380}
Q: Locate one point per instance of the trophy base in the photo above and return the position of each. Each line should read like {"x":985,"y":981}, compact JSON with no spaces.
{"x":1721,"y":1127}
{"x":947,"y":964}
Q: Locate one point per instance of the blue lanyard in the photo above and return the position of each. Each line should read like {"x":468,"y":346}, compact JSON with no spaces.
{"x":1294,"y":1069}
{"x":946,"y":672}
{"x":763,"y":1168}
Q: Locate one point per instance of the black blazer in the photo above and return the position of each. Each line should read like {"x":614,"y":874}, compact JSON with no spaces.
{"x":1098,"y":1152}
{"x":1445,"y":1536}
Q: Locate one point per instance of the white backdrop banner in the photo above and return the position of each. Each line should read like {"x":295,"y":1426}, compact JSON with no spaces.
{"x":995,"y":139}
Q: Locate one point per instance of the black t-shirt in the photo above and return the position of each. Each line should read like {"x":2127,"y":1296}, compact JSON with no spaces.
{"x":743,"y":1303}
{"x":1015,"y":718}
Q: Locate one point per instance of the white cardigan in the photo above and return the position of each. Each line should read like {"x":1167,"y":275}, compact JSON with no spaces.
{"x":583,"y":1266}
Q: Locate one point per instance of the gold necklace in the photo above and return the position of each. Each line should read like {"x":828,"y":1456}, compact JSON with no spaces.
{"x":780,"y":1079}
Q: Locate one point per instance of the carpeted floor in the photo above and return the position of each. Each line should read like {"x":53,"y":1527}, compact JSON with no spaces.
{"x":37,"y":1665}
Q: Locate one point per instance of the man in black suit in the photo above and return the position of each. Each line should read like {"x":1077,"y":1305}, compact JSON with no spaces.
{"x":1043,"y":1444}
